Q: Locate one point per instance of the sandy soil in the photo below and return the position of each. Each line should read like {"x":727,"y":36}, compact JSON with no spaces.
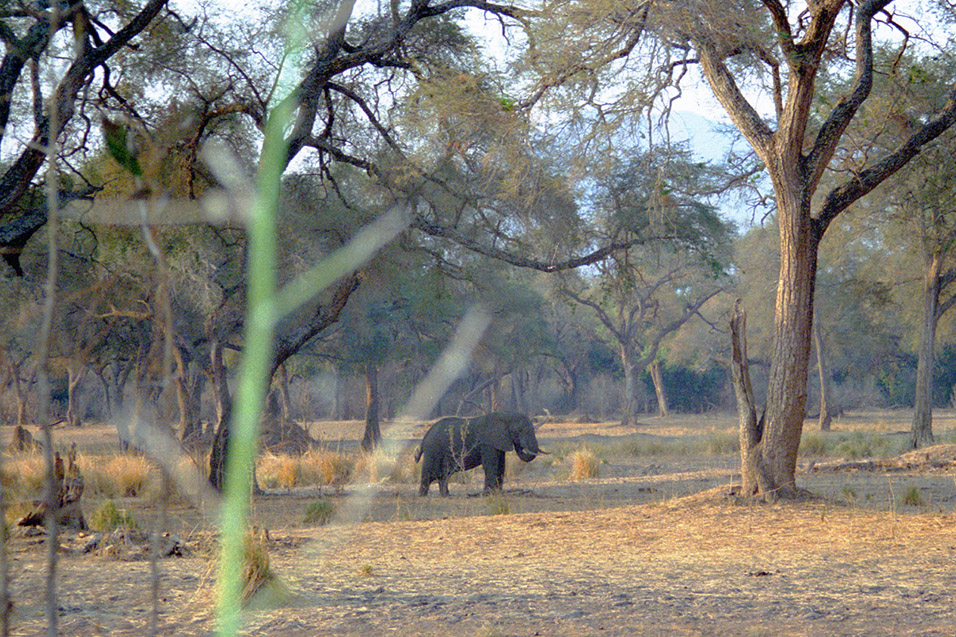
{"x":653,"y":547}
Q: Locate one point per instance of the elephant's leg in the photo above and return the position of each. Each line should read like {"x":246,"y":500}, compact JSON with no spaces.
{"x":493,"y":461}
{"x":427,"y":477}
{"x":444,"y":471}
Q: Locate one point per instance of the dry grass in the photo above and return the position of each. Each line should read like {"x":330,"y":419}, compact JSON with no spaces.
{"x":260,"y":586}
{"x":316,"y":467}
{"x":399,"y":469}
{"x":108,"y":476}
{"x":585,"y":464}
{"x":698,"y":565}
{"x":119,"y":476}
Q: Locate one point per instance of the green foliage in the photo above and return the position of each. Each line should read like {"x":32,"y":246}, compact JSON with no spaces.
{"x":366,"y":570}
{"x":319,"y":512}
{"x":853,"y":445}
{"x":119,"y":145}
{"x":107,"y":517}
{"x":813,"y":444}
{"x":912,"y":497}
{"x":497,"y":504}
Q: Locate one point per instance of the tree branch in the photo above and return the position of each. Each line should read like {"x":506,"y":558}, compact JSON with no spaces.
{"x":840,"y":198}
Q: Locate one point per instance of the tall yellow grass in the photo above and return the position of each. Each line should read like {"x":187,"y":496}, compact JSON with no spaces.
{"x":585,"y":464}
{"x":317,"y":467}
{"x":108,"y":476}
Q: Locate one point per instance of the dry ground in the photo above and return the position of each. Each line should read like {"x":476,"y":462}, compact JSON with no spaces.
{"x":653,"y":547}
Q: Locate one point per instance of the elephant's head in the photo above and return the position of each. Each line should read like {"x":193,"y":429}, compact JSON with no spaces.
{"x":507,"y":431}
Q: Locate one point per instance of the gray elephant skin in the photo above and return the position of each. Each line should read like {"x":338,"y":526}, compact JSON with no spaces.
{"x":459,"y":444}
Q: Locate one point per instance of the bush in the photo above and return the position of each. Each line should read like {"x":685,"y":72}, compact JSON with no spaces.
{"x":913,"y":498}
{"x":107,"y":517}
{"x":376,"y":467}
{"x":497,"y":504}
{"x":319,"y":512}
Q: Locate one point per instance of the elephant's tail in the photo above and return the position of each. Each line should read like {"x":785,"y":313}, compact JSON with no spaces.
{"x":418,"y":453}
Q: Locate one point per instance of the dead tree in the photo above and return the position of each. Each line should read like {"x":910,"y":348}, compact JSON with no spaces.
{"x":69,"y":490}
{"x":753,"y":471}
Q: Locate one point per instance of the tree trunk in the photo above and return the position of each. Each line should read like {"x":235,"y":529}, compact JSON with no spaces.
{"x":338,"y":406}
{"x":372,"y":407}
{"x":753,"y":472}
{"x":630,"y":407}
{"x":497,"y":402}
{"x":658,"y":379}
{"x":826,"y":414}
{"x":73,"y":378}
{"x":220,"y":443}
{"x":21,"y":394}
{"x":790,"y":358}
{"x":519,"y":382}
{"x":186,"y":396}
{"x":921,"y":433}
{"x":285,"y":401}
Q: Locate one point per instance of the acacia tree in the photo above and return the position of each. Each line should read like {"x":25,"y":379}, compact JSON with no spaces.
{"x":920,"y":214}
{"x":790,"y":48}
{"x":32,"y":47}
{"x":928,"y":198}
{"x":643,"y":295}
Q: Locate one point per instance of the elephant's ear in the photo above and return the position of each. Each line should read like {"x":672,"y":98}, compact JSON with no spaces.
{"x":494,"y":430}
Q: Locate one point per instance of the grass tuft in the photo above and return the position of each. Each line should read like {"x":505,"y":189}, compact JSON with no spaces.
{"x":497,"y":504}
{"x":319,"y":512}
{"x":585,"y":464}
{"x":107,"y":517}
{"x":260,"y":585}
{"x":912,"y":497}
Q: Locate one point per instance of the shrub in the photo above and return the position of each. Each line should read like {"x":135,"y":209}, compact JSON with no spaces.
{"x":584,"y":464}
{"x":813,"y":444}
{"x":107,"y":517}
{"x":497,"y":504}
{"x":913,"y":498}
{"x":319,"y":512}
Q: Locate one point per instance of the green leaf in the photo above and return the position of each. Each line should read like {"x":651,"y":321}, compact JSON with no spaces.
{"x":117,"y":143}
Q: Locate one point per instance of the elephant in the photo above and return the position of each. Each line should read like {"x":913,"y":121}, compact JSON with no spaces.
{"x":458,"y":444}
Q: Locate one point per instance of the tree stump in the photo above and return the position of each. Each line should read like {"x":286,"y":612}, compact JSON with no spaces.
{"x":70,"y":484}
{"x":23,"y":441}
